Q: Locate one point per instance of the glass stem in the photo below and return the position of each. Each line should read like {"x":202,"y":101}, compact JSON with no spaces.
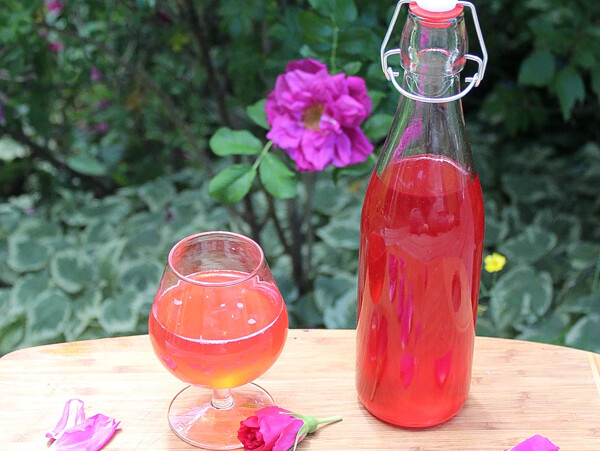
{"x":222,"y":399}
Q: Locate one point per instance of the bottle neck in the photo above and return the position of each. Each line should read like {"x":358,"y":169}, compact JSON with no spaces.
{"x":432,"y":55}
{"x":431,"y":86}
{"x":421,"y":128}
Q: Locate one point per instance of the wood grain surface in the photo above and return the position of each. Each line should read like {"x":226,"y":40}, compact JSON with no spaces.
{"x":518,"y":389}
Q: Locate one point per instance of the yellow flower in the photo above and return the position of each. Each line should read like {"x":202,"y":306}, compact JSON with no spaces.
{"x":494,"y":262}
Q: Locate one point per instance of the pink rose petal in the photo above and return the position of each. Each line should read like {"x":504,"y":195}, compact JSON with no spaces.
{"x":72,"y":415}
{"x":536,"y":443}
{"x":90,"y":435}
{"x":74,"y":432}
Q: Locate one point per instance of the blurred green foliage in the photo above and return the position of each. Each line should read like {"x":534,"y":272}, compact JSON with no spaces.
{"x":118,"y":118}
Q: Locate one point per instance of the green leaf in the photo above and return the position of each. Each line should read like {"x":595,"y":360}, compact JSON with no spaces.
{"x":26,"y":289}
{"x":527,"y":188}
{"x":486,"y":328}
{"x":48,"y":317}
{"x":377,"y":126}
{"x":277,"y":178}
{"x":9,"y":220}
{"x":495,"y":232}
{"x":352,"y":68}
{"x":376,"y":97}
{"x":529,"y":246}
{"x":583,"y":254}
{"x":342,"y":315}
{"x":304,"y":313}
{"x":257,"y":114}
{"x":118,"y":315}
{"x":595,"y":76}
{"x":336,"y":298}
{"x":7,"y":275}
{"x":585,"y":333}
{"x":520,"y":296}
{"x":11,"y":149}
{"x":144,"y":241}
{"x":547,"y":330}
{"x":569,"y":88}
{"x":86,"y":305}
{"x":580,"y":304}
{"x":86,"y":164}
{"x":12,"y":335}
{"x":75,"y":328}
{"x":341,"y":11}
{"x":232,"y":183}
{"x":141,"y":275}
{"x":358,"y":41}
{"x":234,"y":142}
{"x":537,"y":69}
{"x":157,"y":194}
{"x":99,"y":232}
{"x":26,"y":254}
{"x":325,"y":202}
{"x":316,"y":30}
{"x":72,"y":270}
{"x":109,"y":259}
{"x":566,"y":227}
{"x":358,"y":170}
{"x":36,"y":228}
{"x":329,"y":288}
{"x":342,"y":232}
{"x":5,"y":306}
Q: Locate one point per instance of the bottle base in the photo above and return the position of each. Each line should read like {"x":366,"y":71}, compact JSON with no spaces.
{"x":408,"y":423}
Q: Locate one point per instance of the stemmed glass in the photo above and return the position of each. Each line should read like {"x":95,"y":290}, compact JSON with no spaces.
{"x":218,"y":321}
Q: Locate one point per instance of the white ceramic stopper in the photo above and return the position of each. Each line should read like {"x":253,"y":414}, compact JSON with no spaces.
{"x":437,"y":6}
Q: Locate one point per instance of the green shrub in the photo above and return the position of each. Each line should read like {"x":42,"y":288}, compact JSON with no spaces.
{"x":107,"y":115}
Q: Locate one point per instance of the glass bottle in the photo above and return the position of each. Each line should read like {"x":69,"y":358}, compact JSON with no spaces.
{"x":421,"y":235}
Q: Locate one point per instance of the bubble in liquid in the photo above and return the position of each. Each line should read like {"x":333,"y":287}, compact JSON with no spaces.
{"x":177,"y":301}
{"x":252,"y":321}
{"x":240,"y":305}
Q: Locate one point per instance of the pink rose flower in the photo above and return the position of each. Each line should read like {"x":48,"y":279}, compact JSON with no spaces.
{"x":55,"y":46}
{"x":54,"y":6}
{"x":269,"y":430}
{"x":277,"y":429}
{"x":315,"y":117}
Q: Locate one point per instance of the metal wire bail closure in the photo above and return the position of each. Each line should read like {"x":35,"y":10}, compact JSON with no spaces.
{"x":472,"y":81}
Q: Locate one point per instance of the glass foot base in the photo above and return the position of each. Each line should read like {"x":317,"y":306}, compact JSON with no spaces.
{"x":194,"y":418}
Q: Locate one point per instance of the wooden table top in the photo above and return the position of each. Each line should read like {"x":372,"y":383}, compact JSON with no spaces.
{"x":518,"y":389}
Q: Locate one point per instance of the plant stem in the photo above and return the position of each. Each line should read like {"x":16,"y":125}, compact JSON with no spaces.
{"x":199,"y":27}
{"x":484,"y":291}
{"x":295,"y":225}
{"x":262,"y":153}
{"x":309,"y":183}
{"x":596,"y":279}
{"x":334,"y":419}
{"x":334,"y":46}
{"x":46,"y":154}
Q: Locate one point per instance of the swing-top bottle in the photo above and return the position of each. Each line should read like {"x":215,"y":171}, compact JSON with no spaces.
{"x":422,"y":231}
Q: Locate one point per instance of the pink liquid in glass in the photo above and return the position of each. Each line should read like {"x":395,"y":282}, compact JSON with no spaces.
{"x":215,"y":336}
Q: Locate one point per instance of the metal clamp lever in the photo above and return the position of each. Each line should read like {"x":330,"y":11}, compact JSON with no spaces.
{"x":391,"y":75}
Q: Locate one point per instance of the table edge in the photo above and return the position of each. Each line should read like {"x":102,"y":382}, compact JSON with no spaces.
{"x":594,"y":358}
